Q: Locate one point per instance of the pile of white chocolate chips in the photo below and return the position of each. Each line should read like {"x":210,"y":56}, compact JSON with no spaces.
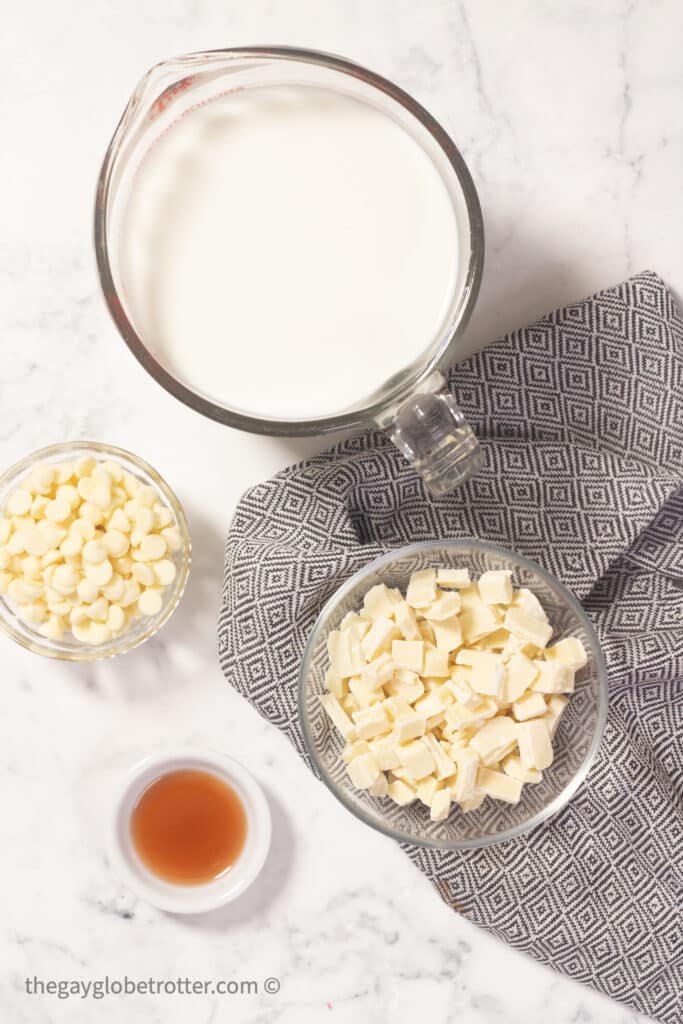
{"x":449,"y":694}
{"x":85,"y":547}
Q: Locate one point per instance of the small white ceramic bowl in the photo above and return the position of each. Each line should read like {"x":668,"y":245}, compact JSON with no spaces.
{"x":191,"y":899}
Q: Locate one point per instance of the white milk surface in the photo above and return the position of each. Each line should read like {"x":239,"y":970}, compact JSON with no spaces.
{"x":283,"y":227}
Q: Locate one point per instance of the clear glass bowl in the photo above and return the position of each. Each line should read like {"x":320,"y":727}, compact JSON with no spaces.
{"x":575,"y":744}
{"x":69,"y":649}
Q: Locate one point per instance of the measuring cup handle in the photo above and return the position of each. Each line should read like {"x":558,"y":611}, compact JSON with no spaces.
{"x":430,"y":429}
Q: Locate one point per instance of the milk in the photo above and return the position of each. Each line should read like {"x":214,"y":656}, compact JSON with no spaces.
{"x":286,"y":249}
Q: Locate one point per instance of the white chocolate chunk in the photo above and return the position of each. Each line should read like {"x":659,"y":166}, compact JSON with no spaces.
{"x":344,"y":652}
{"x":371,"y":722}
{"x":556,"y":705}
{"x":422,"y":588}
{"x":404,"y":616}
{"x":487,"y":671}
{"x":416,"y":759}
{"x":553,"y":677}
{"x":385,"y":751}
{"x":408,"y":654}
{"x":494,"y":642}
{"x":467,"y":762}
{"x":458,"y":578}
{"x":380,"y":602}
{"x":529,"y":705}
{"x":352,"y":621}
{"x":354,"y":749}
{"x":569,"y":651}
{"x":444,"y":766}
{"x":378,"y":672}
{"x":441,"y":805}
{"x":426,"y":632}
{"x":461,"y":689}
{"x":527,"y":600}
{"x":445,"y":607}
{"x":512,"y":765}
{"x":435,"y":662}
{"x":335,"y":684}
{"x":448,"y":634}
{"x":426,"y":789}
{"x":535,"y":748}
{"x":380,"y":787}
{"x":474,"y":803}
{"x":363,"y":692}
{"x":431,"y":705}
{"x":461,"y":717}
{"x":401,"y":792}
{"x":338,"y":716}
{"x":495,"y":587}
{"x":409,"y":725}
{"x":378,"y":639}
{"x":476,"y":622}
{"x":406,"y":685}
{"x":527,"y":627}
{"x":520,"y":674}
{"x":495,"y":739}
{"x":363,"y":771}
{"x":501,"y":786}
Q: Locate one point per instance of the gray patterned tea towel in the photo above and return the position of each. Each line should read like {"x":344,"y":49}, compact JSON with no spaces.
{"x":580,"y":417}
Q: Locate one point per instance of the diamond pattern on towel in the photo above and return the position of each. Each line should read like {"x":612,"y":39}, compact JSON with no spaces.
{"x":580,"y":417}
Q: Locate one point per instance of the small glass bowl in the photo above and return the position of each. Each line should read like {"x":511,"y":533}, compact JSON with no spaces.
{"x":575,"y":744}
{"x":70,"y":649}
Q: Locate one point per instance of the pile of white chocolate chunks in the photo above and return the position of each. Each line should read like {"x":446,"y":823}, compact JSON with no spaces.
{"x":448,"y":694}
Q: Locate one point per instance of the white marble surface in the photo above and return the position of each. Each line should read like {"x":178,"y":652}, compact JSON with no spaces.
{"x":569,"y":115}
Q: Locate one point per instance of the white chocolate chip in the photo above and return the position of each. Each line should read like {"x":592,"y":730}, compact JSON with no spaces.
{"x":71,"y":545}
{"x":113,"y":590}
{"x":65,"y":552}
{"x":98,"y":573}
{"x":152,"y":548}
{"x":144,"y":574}
{"x":116,"y":618}
{"x":58,"y":510}
{"x":164,"y":571}
{"x":18,"y":503}
{"x":94,"y":551}
{"x":99,"y":610}
{"x":116,"y":543}
{"x":87,"y":591}
{"x":150,"y":602}
{"x":84,"y":466}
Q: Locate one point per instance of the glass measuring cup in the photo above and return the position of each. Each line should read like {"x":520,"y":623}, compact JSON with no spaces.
{"x":412,"y":405}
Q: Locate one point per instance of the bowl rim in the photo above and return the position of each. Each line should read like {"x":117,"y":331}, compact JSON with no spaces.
{"x":37,"y":644}
{"x":562,"y":798}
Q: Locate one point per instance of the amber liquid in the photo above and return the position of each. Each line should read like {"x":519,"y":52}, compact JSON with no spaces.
{"x":188,"y":827}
